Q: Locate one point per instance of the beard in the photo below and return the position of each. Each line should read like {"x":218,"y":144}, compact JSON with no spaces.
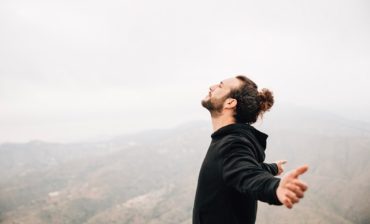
{"x":214,"y":106}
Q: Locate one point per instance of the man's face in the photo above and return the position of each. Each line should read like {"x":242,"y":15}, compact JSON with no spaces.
{"x":218,"y":93}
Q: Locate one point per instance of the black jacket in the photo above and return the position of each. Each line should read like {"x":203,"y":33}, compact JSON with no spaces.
{"x":233,"y":177}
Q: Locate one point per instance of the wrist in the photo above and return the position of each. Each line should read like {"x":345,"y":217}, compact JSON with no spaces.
{"x":278,"y":193}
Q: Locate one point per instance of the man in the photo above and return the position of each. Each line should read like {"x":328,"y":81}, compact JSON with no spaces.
{"x":233,"y":175}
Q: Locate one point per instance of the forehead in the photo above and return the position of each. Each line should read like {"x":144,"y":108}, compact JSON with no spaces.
{"x":231,"y":82}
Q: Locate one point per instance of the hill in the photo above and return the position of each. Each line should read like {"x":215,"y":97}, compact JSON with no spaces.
{"x":150,"y":177}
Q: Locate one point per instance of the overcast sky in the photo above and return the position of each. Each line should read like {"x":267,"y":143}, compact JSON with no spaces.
{"x":74,"y":70}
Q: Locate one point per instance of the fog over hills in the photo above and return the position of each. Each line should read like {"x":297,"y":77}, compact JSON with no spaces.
{"x":150,"y":177}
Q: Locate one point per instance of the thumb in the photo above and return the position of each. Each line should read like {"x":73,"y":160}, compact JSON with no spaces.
{"x":281,"y":162}
{"x":299,"y":171}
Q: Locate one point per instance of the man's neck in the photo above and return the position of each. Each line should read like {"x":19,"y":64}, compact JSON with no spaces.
{"x":219,"y":122}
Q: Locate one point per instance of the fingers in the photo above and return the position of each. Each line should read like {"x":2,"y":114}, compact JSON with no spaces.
{"x":292,"y":196}
{"x":297,"y":186}
{"x":288,"y":203}
{"x":290,"y":199}
{"x":296,"y":190}
{"x":280,"y":164}
{"x":300,"y":184}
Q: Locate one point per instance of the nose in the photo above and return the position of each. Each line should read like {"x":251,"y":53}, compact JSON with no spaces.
{"x":211,"y":88}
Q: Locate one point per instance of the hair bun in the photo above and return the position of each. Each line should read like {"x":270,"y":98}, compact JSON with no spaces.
{"x":266,"y":100}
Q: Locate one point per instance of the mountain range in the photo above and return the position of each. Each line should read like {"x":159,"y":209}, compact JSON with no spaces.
{"x":150,"y":177}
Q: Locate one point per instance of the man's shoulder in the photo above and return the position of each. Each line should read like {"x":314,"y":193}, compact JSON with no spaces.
{"x":237,"y":138}
{"x":234,"y":142}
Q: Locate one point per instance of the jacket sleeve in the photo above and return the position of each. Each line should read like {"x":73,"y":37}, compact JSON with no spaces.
{"x":271,"y":168}
{"x":241,"y":171}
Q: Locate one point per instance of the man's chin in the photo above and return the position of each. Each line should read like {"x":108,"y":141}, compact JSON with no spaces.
{"x":206,"y":103}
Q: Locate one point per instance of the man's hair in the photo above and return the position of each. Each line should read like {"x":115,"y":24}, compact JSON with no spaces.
{"x":250,"y":102}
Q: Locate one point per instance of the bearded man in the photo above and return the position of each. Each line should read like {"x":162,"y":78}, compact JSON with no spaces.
{"x":233,"y":175}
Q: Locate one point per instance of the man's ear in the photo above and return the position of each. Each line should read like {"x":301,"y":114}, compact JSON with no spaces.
{"x":230,"y":103}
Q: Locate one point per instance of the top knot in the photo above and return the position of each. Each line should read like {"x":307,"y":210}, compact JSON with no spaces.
{"x":266,"y":100}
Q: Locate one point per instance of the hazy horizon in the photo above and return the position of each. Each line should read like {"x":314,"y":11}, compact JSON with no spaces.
{"x":284,"y":110}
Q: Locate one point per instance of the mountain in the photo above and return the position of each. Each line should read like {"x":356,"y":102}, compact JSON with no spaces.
{"x":150,"y":177}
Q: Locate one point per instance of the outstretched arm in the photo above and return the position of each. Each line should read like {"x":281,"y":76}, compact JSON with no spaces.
{"x":241,"y":171}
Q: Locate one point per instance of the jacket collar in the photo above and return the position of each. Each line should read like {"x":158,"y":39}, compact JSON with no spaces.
{"x":245,"y":129}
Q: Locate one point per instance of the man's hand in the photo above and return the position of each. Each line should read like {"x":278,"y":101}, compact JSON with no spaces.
{"x":280,"y":164}
{"x":291,"y":189}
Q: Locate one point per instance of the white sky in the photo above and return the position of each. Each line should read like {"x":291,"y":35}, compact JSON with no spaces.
{"x":74,"y":70}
